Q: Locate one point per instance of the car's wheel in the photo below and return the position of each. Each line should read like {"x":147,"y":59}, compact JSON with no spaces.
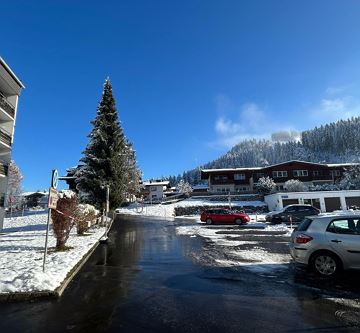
{"x":238,"y":221}
{"x":326,"y":264}
{"x":209,"y":221}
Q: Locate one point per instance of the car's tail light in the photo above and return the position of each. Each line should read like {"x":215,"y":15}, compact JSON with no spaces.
{"x":303,"y":239}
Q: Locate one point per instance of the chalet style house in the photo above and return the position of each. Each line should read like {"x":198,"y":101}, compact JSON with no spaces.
{"x":244,"y":180}
{"x":154,"y":190}
{"x":10,"y":88}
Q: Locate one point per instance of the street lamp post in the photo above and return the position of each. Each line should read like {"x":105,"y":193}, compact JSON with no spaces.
{"x":107,"y":208}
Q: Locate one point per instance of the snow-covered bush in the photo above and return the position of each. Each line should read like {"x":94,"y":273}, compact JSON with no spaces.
{"x":325,"y":187}
{"x":265,"y":185}
{"x":184,"y":187}
{"x":85,"y":216}
{"x":63,"y":217}
{"x":295,"y":185}
{"x":351,"y":179}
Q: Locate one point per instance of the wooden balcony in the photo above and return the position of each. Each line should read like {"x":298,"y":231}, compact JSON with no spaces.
{"x":6,"y":106}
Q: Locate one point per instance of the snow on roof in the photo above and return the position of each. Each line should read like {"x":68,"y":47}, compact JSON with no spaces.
{"x":26,"y":194}
{"x":163,"y":183}
{"x":231,"y":169}
{"x":341,"y":164}
{"x":292,"y":161}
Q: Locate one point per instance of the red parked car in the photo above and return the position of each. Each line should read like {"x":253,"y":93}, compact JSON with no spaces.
{"x":221,"y":215}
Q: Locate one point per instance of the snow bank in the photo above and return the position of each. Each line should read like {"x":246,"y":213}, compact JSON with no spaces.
{"x":168,"y":210}
{"x":22,"y":248}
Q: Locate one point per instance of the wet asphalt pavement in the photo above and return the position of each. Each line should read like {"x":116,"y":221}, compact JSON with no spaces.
{"x":149,"y":279}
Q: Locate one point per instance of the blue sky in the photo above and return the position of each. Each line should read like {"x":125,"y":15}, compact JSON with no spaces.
{"x":191,"y":78}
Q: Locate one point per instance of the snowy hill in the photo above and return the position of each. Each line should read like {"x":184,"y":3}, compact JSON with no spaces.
{"x":331,"y":143}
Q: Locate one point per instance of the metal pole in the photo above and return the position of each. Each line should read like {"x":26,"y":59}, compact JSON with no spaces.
{"x":48,"y":221}
{"x":107,"y":199}
{"x":46,"y":238}
{"x":107,"y":206}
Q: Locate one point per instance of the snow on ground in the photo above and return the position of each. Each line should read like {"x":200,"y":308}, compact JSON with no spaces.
{"x":148,"y":210}
{"x":231,"y":244}
{"x":167,"y":211}
{"x":21,"y":258}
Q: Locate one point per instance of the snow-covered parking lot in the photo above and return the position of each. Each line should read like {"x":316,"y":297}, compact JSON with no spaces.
{"x":227,"y":245}
{"x":21,"y":254}
{"x":256,"y":247}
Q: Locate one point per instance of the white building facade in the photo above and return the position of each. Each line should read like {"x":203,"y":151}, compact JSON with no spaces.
{"x":156,"y":189}
{"x":10,"y":89}
{"x":326,"y":201}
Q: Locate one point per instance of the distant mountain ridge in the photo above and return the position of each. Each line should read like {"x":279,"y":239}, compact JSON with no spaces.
{"x":336,"y":142}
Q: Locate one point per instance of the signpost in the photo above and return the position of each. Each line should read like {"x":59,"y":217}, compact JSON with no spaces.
{"x":53,"y":198}
{"x":51,"y":205}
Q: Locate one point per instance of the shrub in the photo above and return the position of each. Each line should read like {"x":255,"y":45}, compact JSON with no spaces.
{"x":85,"y":215}
{"x":265,"y":185}
{"x":63,"y":218}
{"x":295,"y":185}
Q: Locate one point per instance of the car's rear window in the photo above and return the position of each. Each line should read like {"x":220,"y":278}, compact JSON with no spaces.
{"x":304,"y":225}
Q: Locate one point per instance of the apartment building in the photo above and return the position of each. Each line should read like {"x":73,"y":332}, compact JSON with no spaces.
{"x":10,"y":89}
{"x":244,"y":180}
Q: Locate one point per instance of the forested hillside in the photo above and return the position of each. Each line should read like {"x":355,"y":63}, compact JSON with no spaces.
{"x":331,"y":143}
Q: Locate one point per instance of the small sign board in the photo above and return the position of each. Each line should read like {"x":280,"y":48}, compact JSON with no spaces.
{"x":55,"y":179}
{"x":53,"y":198}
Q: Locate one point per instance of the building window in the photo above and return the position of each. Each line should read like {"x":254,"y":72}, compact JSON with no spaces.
{"x":279,"y":174}
{"x":300,"y":173}
{"x":316,"y":173}
{"x":239,"y":176}
{"x":153,"y":188}
{"x":222,"y":178}
{"x":335,"y":173}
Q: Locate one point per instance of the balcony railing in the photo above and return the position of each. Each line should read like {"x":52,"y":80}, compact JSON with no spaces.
{"x":2,"y":200}
{"x":6,"y":106}
{"x":3,"y":169}
{"x":5,"y":137}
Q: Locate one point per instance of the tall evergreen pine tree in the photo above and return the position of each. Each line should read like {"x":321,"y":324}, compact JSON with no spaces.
{"x":105,"y":156}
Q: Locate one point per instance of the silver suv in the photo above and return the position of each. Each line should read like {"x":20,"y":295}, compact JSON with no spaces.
{"x":328,"y":242}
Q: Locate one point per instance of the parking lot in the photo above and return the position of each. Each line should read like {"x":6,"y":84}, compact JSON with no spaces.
{"x":262,"y":251}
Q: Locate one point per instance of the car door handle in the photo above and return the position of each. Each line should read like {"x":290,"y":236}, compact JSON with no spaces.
{"x":336,"y":241}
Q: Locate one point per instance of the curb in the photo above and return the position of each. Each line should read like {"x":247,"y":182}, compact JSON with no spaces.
{"x":59,"y":290}
{"x":37,"y":295}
